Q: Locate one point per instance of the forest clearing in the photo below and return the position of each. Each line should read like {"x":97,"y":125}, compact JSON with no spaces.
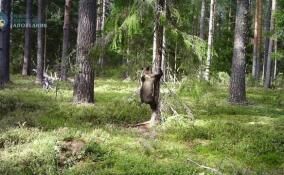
{"x":231,"y":139}
{"x":142,"y":87}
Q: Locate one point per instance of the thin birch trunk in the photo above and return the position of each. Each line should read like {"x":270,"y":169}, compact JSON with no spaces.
{"x":210,"y":40}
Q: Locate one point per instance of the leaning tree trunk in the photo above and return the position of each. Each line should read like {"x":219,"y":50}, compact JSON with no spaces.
{"x":237,"y":83}
{"x":210,"y":40}
{"x":5,"y":7}
{"x":202,"y":21}
{"x":28,"y":33}
{"x":84,"y":80}
{"x":267,"y":81}
{"x":66,"y":44}
{"x":40,"y":41}
{"x":266,"y":42}
{"x":257,"y":40}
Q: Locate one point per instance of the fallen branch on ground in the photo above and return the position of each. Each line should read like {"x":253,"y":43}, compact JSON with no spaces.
{"x":212,"y":170}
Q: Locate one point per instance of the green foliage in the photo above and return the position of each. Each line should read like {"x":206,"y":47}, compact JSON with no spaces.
{"x":232,"y":139}
{"x":197,"y":45}
{"x":277,"y":55}
{"x":222,"y":79}
{"x":195,"y":89}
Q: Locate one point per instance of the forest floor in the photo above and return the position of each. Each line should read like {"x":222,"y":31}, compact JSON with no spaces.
{"x":45,"y":133}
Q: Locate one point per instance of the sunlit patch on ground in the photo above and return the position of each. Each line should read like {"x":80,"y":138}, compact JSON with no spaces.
{"x":233,"y":139}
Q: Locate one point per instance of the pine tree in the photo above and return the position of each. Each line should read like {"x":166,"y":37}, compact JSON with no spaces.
{"x":268,"y":74}
{"x":66,"y":44}
{"x":5,"y":44}
{"x":84,"y":80}
{"x":40,"y":41}
{"x":202,"y":20}
{"x":266,"y":42}
{"x":26,"y":70}
{"x":237,"y":83}
{"x":257,"y":40}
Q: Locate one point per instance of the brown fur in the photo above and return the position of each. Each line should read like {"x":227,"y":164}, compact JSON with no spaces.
{"x":149,"y":80}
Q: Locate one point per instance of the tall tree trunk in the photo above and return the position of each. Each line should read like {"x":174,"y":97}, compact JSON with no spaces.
{"x":157,"y":60}
{"x":175,"y":63}
{"x":84,"y":80}
{"x":267,"y":81}
{"x":237,"y":83}
{"x":202,"y":20}
{"x":164,"y":64}
{"x":266,"y":42}
{"x":5,"y":7}
{"x":275,"y":70}
{"x":230,"y":16}
{"x":101,"y":17}
{"x":40,"y":41}
{"x":154,"y":45}
{"x":127,"y":56}
{"x":66,"y":44}
{"x":257,"y":40}
{"x":210,"y":40}
{"x":45,"y":46}
{"x":275,"y":61}
{"x":28,"y":33}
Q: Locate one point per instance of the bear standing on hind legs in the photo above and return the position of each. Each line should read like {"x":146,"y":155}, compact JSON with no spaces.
{"x":149,"y":81}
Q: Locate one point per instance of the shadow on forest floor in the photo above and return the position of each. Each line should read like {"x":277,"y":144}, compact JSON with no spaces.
{"x":233,"y":139}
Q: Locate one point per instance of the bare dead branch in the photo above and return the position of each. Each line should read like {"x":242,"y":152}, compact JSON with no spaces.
{"x":212,"y":170}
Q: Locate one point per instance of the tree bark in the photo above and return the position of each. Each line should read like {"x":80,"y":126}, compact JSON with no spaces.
{"x":175,"y":63}
{"x":66,"y":44}
{"x":40,"y":41}
{"x":101,"y":17}
{"x":164,"y":63}
{"x":157,"y":60}
{"x":268,"y":74}
{"x":202,"y":21}
{"x":257,"y":40}
{"x":210,"y":40}
{"x":154,"y":45}
{"x":28,"y":33}
{"x":266,"y":42}
{"x":237,"y":82}
{"x":5,"y":7}
{"x":275,"y":61}
{"x":84,"y":80}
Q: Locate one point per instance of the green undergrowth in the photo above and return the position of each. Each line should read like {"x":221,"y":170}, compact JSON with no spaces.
{"x":231,"y":139}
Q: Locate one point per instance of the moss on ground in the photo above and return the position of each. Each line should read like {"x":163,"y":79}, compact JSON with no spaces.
{"x":233,"y":139}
